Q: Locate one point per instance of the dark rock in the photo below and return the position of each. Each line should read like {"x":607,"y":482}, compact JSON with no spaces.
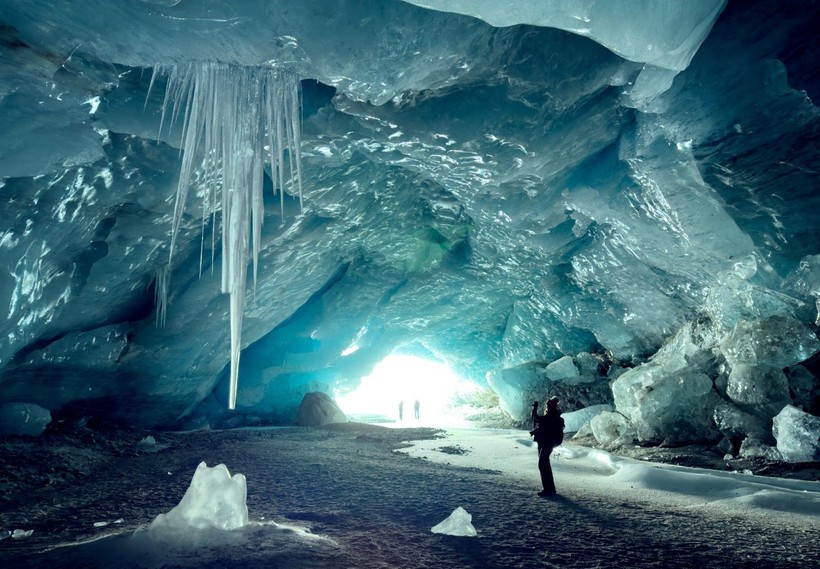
{"x":318,"y":409}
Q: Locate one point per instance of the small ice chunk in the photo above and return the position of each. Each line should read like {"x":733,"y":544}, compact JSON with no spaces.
{"x":148,"y":441}
{"x":21,"y":533}
{"x":797,"y":434}
{"x":753,"y":448}
{"x":215,"y":499}
{"x":4,"y":534}
{"x":103,"y":524}
{"x":458,"y":523}
{"x":23,"y":419}
{"x":150,"y":444}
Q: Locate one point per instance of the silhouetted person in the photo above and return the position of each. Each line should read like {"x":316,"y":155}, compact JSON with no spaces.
{"x":548,"y":433}
{"x":416,"y":407}
{"x":401,"y":410}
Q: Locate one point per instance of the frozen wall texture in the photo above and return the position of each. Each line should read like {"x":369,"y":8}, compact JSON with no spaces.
{"x":627,"y":189}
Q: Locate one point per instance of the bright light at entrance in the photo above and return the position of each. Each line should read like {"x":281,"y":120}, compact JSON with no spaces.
{"x":407,"y":379}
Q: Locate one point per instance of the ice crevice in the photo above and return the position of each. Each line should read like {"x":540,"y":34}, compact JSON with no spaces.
{"x":230,"y":114}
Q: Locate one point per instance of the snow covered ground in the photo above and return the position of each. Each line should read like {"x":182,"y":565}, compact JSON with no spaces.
{"x":358,"y":496}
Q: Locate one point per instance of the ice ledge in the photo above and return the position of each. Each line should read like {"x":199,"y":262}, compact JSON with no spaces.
{"x":660,"y":33}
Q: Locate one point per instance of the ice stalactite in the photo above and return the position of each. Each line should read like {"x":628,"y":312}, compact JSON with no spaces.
{"x":230,"y":113}
{"x":161,"y":295}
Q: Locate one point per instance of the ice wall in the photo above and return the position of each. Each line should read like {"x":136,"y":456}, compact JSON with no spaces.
{"x":491,"y":196}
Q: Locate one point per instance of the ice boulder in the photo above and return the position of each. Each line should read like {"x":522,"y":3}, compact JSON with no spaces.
{"x":318,"y":409}
{"x":214,"y":500}
{"x":804,"y":281}
{"x":736,"y":424}
{"x":797,"y":434}
{"x":512,"y":386}
{"x":755,"y":448}
{"x":803,"y":385}
{"x":23,"y":419}
{"x":762,"y":387}
{"x":777,"y":341}
{"x":574,"y":420}
{"x":563,"y":369}
{"x":609,"y":427}
{"x":458,"y":523}
{"x":662,"y":405}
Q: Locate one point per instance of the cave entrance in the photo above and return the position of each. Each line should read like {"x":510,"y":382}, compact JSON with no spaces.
{"x":407,"y":379}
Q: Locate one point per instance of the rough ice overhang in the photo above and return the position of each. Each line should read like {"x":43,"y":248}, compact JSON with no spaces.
{"x":663,"y":33}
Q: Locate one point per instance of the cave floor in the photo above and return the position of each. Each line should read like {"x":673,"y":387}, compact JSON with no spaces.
{"x":342,"y":497}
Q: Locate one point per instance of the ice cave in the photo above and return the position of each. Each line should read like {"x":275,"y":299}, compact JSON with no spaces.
{"x":221,"y":221}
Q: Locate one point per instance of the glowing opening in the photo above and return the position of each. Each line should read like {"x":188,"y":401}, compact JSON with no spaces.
{"x":407,"y":379}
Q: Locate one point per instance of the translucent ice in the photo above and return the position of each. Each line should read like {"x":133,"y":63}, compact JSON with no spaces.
{"x":797,"y":434}
{"x":562,"y":370}
{"x":574,"y":420}
{"x":231,"y":113}
{"x":665,"y":34}
{"x":458,"y":523}
{"x":755,"y":448}
{"x":23,"y":419}
{"x":777,"y":341}
{"x":738,"y":424}
{"x":609,"y":427}
{"x":215,"y":499}
{"x":757,"y":352}
{"x":666,"y":404}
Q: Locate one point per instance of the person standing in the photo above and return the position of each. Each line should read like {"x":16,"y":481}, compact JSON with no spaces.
{"x":416,"y":407}
{"x":548,"y":433}
{"x":401,"y":410}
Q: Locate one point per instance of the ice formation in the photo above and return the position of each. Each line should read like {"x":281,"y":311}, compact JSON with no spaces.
{"x":609,"y":427}
{"x":574,"y":420}
{"x":624,"y":188}
{"x":459,"y":523}
{"x":797,"y":434}
{"x":562,"y":369}
{"x":231,"y":115}
{"x":214,"y":500}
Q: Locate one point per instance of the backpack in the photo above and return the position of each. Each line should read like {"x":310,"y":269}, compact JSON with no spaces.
{"x":550,"y":432}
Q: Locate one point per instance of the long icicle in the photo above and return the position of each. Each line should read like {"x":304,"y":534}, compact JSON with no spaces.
{"x":233,"y":110}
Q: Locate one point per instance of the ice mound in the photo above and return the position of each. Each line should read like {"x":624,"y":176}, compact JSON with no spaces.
{"x":23,"y":419}
{"x":215,"y":499}
{"x":797,"y":434}
{"x":459,"y":523}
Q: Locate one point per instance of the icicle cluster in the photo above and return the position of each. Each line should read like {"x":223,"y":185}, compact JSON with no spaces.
{"x":230,"y":114}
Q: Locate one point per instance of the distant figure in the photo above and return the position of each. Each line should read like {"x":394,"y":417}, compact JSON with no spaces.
{"x":401,"y":410}
{"x":416,"y":407}
{"x":548,"y":433}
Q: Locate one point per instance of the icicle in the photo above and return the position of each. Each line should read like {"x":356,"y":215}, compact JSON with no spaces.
{"x":232,"y":111}
{"x":161,"y":296}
